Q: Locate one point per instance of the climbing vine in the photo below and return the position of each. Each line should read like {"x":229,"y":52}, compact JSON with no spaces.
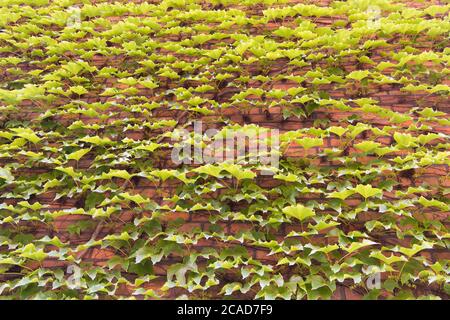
{"x":93,"y":95}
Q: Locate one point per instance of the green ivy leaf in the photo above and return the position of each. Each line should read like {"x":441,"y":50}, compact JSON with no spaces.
{"x":367,"y":146}
{"x":299,"y":212}
{"x":77,"y":155}
{"x":78,"y":90}
{"x":367,"y":191}
{"x":309,"y":143}
{"x":6,"y":175}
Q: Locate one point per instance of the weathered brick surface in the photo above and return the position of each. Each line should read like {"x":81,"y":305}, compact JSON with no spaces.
{"x":388,"y":96}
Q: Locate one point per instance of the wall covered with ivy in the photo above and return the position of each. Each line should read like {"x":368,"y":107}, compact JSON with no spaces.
{"x":94,"y":93}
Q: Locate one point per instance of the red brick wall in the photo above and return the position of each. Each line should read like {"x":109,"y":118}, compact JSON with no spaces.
{"x":387,"y":96}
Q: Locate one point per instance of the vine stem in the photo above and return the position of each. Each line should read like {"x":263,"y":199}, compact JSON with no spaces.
{"x":94,"y":235}
{"x":401,"y":271}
